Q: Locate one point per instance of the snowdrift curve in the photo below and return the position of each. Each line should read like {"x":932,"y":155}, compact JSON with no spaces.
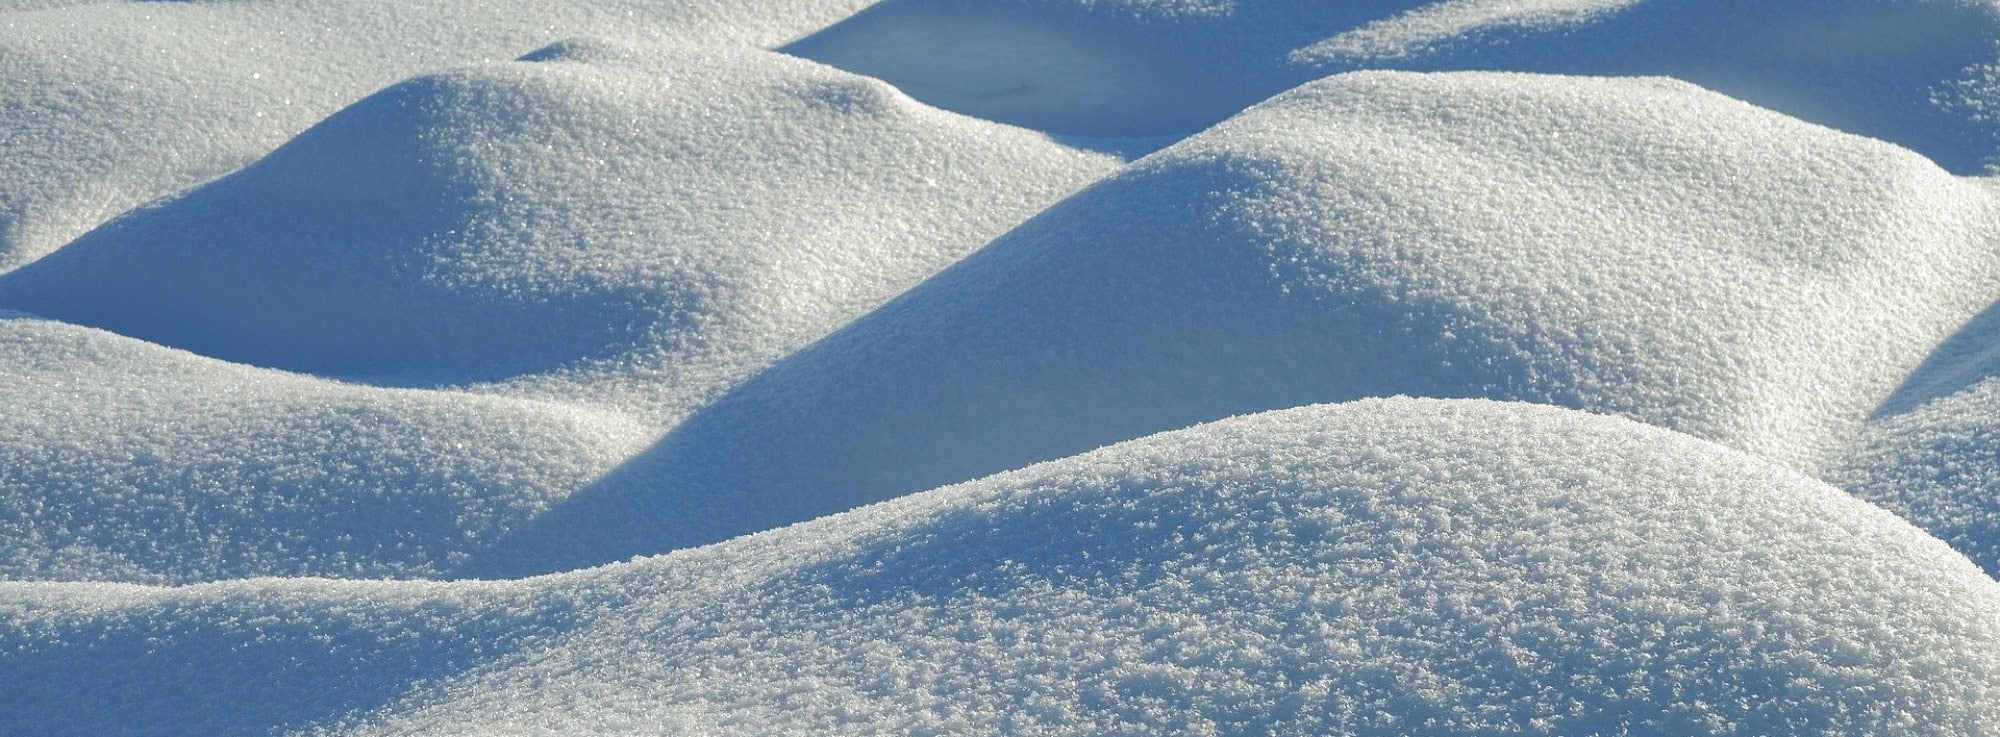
{"x":1374,"y":568}
{"x":640,"y":230}
{"x":1695,"y":263}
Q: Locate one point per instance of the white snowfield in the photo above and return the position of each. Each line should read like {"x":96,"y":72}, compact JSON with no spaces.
{"x":1079,"y":367}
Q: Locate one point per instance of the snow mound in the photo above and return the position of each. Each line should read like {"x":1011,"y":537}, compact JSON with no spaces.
{"x":125,"y":461}
{"x":1922,"y":73}
{"x":113,"y":104}
{"x":1132,"y":68}
{"x":654,"y":222}
{"x":1385,"y":567}
{"x":1692,"y":262}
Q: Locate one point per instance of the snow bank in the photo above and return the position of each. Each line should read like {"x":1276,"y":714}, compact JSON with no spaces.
{"x":125,"y":461}
{"x":1921,"y":73}
{"x":1637,"y":247}
{"x":112,"y":104}
{"x":1377,"y":568}
{"x":656,"y":222}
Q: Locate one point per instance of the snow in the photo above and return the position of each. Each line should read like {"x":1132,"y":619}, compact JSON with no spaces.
{"x":1366,"y":235}
{"x":1921,"y":73}
{"x":578,"y":226}
{"x":112,"y":104}
{"x":1381,"y":567}
{"x":133,"y":462}
{"x":1227,"y":367}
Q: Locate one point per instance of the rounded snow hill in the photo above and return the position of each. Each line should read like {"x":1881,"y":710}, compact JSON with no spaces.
{"x":1385,"y":567}
{"x":114,"y":104}
{"x":647,"y":224}
{"x":1631,"y":246}
{"x":125,"y":461}
{"x":1916,"y":72}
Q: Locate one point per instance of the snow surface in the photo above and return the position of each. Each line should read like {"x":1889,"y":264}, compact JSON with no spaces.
{"x":1751,"y":279}
{"x":112,"y":104}
{"x":845,"y":365}
{"x":1922,"y":73}
{"x":1375,"y":568}
{"x":650,"y":226}
{"x":128,"y":461}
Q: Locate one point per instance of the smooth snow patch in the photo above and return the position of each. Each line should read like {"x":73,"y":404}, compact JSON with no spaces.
{"x":1443,"y":22}
{"x":1081,"y":67}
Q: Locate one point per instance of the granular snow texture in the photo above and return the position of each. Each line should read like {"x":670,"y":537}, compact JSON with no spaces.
{"x":1135,"y":367}
{"x":1686,"y":260}
{"x":1385,"y":567}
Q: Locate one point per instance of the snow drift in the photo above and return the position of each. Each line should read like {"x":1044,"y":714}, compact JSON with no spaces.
{"x":297,"y":292}
{"x":112,"y":104}
{"x":1917,"y":72}
{"x":1377,"y":568}
{"x":653,"y":226}
{"x":125,"y":461}
{"x":1693,"y":262}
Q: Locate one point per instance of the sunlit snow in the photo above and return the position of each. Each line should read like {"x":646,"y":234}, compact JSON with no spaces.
{"x":1055,"y":367}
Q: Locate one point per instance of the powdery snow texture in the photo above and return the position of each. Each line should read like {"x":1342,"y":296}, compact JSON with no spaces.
{"x":673,"y":218}
{"x":113,"y":104}
{"x":1377,"y":568}
{"x":1746,"y":278}
{"x":631,"y":233}
{"x":126,"y":461}
{"x":295,"y":291}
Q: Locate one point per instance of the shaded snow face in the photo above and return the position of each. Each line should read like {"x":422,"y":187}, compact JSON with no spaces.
{"x":623,"y":233}
{"x":1920,"y":73}
{"x":125,"y":461}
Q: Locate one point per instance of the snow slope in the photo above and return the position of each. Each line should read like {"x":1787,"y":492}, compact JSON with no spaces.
{"x":113,"y":104}
{"x":1936,"y":466}
{"x":660,"y":221}
{"x":844,"y":366}
{"x":1922,"y":73}
{"x":1375,"y":568}
{"x":125,"y":461}
{"x":1638,"y":247}
{"x":572,"y":226}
